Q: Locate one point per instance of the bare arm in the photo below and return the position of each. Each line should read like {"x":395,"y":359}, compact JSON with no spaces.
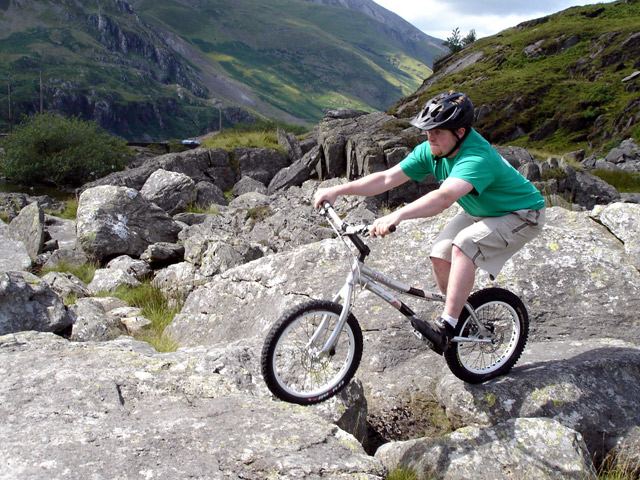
{"x":428,"y":205}
{"x":372,"y":184}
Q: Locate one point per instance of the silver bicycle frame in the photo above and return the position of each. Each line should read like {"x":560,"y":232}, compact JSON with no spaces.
{"x":373,"y":280}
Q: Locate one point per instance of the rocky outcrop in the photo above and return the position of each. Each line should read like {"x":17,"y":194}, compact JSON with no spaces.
{"x":28,"y":227}
{"x":261,"y":164}
{"x":208,"y":401}
{"x":118,"y":220}
{"x":538,"y":448}
{"x":623,"y":221}
{"x":66,"y":284}
{"x":109,"y":279}
{"x":171,"y":191}
{"x":247,"y":184}
{"x":297,"y":173}
{"x":28,"y":303}
{"x":13,"y":253}
{"x":625,"y":157}
{"x":93,"y":322}
{"x":163,"y":253}
{"x":199,"y":164}
{"x":586,"y":385}
{"x":12,"y":203}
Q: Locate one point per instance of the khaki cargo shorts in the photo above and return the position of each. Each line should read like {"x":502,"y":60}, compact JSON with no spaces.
{"x":488,"y":241}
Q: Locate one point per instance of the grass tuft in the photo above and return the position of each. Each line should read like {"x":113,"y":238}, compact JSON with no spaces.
{"x":154,"y":307}
{"x":84,"y":272}
{"x":212,"y":209}
{"x":616,"y":468}
{"x":402,"y":474}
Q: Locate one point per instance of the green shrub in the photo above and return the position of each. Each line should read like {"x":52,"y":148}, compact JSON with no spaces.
{"x":67,"y":151}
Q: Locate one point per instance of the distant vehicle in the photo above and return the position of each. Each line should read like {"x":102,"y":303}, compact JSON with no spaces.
{"x":190,"y":142}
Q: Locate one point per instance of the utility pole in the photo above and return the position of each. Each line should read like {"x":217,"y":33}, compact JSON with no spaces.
{"x":41,"y":102}
{"x":9,"y":98}
{"x":219,"y":119}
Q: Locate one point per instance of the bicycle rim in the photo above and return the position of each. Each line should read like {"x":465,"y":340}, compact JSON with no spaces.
{"x":484,"y":358}
{"x":298,"y":366}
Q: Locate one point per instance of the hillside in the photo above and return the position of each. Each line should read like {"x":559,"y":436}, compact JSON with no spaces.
{"x":153,"y":69}
{"x":555,"y":83}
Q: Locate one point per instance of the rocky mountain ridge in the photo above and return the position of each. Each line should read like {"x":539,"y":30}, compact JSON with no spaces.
{"x":148,"y":70}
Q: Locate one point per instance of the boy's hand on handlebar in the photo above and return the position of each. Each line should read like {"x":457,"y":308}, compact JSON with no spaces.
{"x":384,"y":225}
{"x":324,"y":195}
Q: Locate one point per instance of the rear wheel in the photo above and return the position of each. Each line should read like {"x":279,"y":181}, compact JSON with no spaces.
{"x":505,"y":317}
{"x":293,"y":366}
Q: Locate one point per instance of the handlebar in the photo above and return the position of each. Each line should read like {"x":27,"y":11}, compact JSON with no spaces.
{"x":349,"y":231}
{"x":327,"y":209}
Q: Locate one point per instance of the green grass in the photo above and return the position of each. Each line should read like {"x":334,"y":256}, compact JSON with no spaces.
{"x":70,"y":211}
{"x":626,"y":182}
{"x":615,"y":468}
{"x":210,"y":210}
{"x":259,"y":213}
{"x":84,"y":272}
{"x":231,"y":139}
{"x":155,"y":308}
{"x":402,"y":474}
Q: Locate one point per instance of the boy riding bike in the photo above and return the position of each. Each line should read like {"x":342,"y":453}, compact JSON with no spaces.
{"x":502,"y":210}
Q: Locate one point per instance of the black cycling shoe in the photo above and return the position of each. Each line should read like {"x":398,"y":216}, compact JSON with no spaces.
{"x":432,"y":337}
{"x":447,"y":332}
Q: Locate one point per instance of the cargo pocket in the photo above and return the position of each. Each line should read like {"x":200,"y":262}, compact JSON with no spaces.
{"x":491,"y":242}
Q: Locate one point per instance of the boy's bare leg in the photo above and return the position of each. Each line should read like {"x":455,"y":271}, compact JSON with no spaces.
{"x":460,"y":282}
{"x":441,"y":269}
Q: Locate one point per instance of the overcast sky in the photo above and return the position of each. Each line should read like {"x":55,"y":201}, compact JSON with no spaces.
{"x":439,"y":17}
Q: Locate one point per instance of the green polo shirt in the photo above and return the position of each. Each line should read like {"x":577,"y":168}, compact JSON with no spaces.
{"x":498,"y":188}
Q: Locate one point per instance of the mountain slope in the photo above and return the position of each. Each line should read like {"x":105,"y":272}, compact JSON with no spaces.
{"x":554,"y":83}
{"x":153,"y":68}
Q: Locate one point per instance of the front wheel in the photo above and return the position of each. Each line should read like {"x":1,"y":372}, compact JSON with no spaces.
{"x":505,"y":318}
{"x":293,"y":366}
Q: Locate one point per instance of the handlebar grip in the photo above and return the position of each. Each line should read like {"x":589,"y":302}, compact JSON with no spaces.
{"x":392,"y":228}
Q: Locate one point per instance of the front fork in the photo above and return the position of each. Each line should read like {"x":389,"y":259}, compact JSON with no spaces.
{"x":346,"y":293}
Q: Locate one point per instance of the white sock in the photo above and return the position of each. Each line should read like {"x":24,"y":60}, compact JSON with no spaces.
{"x":449,"y":319}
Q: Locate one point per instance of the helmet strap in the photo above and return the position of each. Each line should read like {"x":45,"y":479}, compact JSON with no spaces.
{"x":459,"y":141}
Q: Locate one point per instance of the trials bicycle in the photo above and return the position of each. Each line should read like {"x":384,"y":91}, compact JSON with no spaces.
{"x":314,"y":349}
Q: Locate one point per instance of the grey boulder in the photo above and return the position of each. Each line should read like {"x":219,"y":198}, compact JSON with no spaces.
{"x":118,"y":220}
{"x":28,"y":227}
{"x":93,"y":323}
{"x":538,"y":448}
{"x":65,"y":284}
{"x":13,"y":253}
{"x":590,"y":386}
{"x":28,"y":303}
{"x":201,"y":411}
{"x":171,"y":191}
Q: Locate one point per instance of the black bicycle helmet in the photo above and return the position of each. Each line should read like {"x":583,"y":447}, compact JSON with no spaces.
{"x":450,"y":111}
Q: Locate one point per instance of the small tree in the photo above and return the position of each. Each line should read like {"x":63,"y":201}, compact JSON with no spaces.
{"x":470,"y":38}
{"x":66,"y":151}
{"x":455,"y":42}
